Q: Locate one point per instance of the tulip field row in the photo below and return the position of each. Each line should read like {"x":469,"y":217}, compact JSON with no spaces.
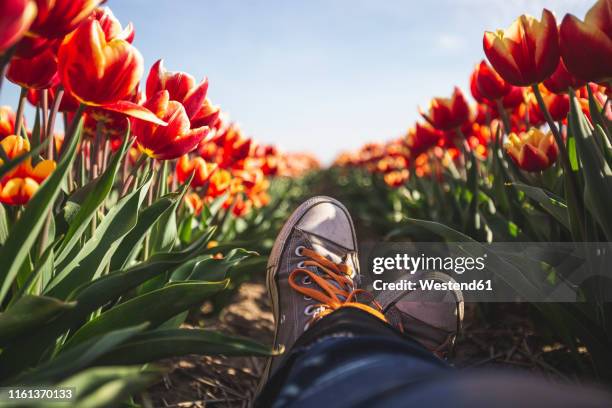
{"x":149,"y":203}
{"x":529,"y":161}
{"x":129,"y":199}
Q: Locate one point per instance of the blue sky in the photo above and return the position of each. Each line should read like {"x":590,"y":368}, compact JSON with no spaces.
{"x":322,"y":75}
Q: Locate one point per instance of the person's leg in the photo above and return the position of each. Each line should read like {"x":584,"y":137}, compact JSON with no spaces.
{"x":340,"y":355}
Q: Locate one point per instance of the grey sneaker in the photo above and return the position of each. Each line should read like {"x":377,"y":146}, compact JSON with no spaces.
{"x":316,"y":249}
{"x":433,"y":318}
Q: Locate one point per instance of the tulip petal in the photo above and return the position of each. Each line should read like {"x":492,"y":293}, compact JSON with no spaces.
{"x":184,"y":144}
{"x":195,"y":99}
{"x":155,"y":80}
{"x":586,"y":50}
{"x":15,"y":18}
{"x":600,"y":15}
{"x":499,"y":56}
{"x":136,"y":111}
{"x":532,"y":159}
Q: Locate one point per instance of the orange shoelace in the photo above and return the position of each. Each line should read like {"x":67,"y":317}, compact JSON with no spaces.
{"x":331,"y":296}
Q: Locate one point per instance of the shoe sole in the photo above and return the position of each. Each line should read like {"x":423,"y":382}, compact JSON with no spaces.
{"x":275,"y":257}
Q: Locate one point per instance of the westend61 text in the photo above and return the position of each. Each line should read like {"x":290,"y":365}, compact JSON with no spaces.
{"x":430,"y":284}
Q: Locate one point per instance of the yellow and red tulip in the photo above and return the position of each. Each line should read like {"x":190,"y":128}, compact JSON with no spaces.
{"x":7,"y":122}
{"x":532,"y":151}
{"x":22,"y":182}
{"x":194,"y":202}
{"x":181,"y":87}
{"x":171,"y":141}
{"x":527,"y":52}
{"x":448,"y":113}
{"x":220,"y":182}
{"x":396,"y":178}
{"x":15,"y":18}
{"x":201,"y":170}
{"x":586,"y":46}
{"x":102,"y":72}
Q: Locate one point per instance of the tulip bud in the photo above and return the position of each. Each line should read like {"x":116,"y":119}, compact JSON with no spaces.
{"x":527,"y":52}
{"x":533,"y":151}
{"x":447,"y":114}
{"x":171,"y":141}
{"x":95,"y":71}
{"x":7,"y":122}
{"x":422,"y":137}
{"x":489,"y":83}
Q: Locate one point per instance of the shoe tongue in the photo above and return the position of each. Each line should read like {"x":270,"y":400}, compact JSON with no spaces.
{"x":324,"y":249}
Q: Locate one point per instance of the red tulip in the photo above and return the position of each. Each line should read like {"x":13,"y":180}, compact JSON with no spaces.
{"x":16,"y":16}
{"x":532,"y":151}
{"x":181,"y":87}
{"x":586,"y":46}
{"x":39,"y":72}
{"x":489,"y":83}
{"x":102,"y":72}
{"x":422,"y":137}
{"x":7,"y":122}
{"x":561,"y":80}
{"x":236,"y":147}
{"x":447,"y":114}
{"x":171,"y":141}
{"x":56,"y":18}
{"x":241,"y":207}
{"x":527,"y":52}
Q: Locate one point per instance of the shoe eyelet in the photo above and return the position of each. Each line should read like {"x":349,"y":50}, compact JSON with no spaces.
{"x":306,"y":280}
{"x":301,"y":265}
{"x":298,"y":250}
{"x":310,"y":310}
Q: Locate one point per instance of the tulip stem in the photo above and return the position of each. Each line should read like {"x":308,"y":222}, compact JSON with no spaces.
{"x":44,"y":107}
{"x":133,"y":173}
{"x":51,"y":125}
{"x":20,"y":108}
{"x":572,"y":185}
{"x":73,"y":128}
